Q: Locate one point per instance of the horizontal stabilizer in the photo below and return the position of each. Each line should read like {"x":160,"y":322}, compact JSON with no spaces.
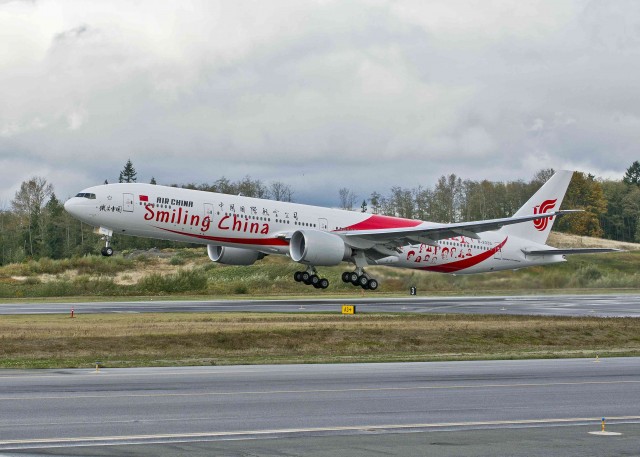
{"x":570,"y":251}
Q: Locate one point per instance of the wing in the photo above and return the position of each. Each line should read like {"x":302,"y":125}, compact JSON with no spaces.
{"x":570,"y":251}
{"x":434,"y":232}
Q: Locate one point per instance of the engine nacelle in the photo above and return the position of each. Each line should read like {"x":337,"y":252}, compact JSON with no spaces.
{"x":318,"y":248}
{"x":233,"y":256}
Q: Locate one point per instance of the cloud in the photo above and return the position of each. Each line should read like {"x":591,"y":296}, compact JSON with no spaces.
{"x":320,"y":95}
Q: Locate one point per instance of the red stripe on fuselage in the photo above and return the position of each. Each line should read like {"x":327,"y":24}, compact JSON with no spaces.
{"x":220,"y":239}
{"x":452,"y":267}
{"x":377,"y":222}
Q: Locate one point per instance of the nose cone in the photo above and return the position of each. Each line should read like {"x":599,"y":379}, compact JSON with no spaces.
{"x":79,"y":207}
{"x":69,"y":205}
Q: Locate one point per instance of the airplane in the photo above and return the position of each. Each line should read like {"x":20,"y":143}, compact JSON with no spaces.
{"x":241,"y":230}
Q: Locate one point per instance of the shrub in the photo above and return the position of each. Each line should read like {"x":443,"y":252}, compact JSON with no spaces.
{"x":240,"y":289}
{"x":182,"y":281}
{"x":587,"y":275}
{"x":176,"y":260}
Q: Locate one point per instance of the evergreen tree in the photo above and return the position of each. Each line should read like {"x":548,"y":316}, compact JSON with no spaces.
{"x":631,"y":212}
{"x":375,"y":202}
{"x":363,"y":207}
{"x":153,"y":181}
{"x":54,"y":229}
{"x":11,"y":245}
{"x":613,"y":223}
{"x":632,"y":175}
{"x":128,"y":174}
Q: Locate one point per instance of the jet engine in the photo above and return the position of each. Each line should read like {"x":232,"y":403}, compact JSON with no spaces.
{"x":313,"y":247}
{"x":233,"y":256}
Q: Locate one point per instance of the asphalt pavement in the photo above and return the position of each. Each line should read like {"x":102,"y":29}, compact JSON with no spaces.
{"x":614,"y":305}
{"x":529,"y":407}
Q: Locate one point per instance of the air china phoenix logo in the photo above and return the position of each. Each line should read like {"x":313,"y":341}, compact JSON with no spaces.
{"x":544,"y":207}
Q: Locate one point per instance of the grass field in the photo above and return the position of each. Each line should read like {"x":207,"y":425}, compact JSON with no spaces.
{"x":189,"y":272}
{"x":54,"y":341}
{"x":204,"y":339}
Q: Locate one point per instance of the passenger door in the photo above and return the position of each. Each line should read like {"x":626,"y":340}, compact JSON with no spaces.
{"x":127,"y":202}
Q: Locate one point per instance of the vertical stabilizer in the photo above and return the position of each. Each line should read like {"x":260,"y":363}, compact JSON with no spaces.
{"x":548,"y":198}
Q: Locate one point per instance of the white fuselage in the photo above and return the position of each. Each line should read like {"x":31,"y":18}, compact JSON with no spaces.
{"x":266,"y":226}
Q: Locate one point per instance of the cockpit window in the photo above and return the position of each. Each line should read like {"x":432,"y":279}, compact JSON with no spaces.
{"x":86,"y":195}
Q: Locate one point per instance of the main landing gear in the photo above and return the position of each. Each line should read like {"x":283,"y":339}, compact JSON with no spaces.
{"x":360,"y":278}
{"x":311,"y":278}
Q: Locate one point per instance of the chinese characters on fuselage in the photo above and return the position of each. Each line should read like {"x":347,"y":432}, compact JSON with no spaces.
{"x":450,"y":249}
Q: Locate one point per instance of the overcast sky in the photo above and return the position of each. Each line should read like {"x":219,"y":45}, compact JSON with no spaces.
{"x":317,"y":94}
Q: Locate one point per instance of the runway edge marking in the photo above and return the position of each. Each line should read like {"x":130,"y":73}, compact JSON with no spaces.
{"x":177,"y":437}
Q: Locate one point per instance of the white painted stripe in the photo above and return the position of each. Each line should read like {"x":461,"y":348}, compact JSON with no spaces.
{"x":158,"y":438}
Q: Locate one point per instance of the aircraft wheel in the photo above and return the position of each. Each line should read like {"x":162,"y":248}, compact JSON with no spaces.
{"x":297,"y":276}
{"x":363,"y":281}
{"x":324,"y":283}
{"x":316,"y":285}
{"x":346,"y":276}
{"x":372,"y":284}
{"x":107,"y":252}
{"x":305,"y":277}
{"x":314,"y":279}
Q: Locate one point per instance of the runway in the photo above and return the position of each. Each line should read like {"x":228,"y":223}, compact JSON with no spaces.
{"x":262,"y":410}
{"x":615,"y":305}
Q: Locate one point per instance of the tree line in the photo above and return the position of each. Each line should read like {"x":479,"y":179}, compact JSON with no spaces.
{"x":36,"y":225}
{"x":611,"y":208}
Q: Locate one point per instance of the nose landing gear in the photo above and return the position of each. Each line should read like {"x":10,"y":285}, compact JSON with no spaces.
{"x":106,"y":251}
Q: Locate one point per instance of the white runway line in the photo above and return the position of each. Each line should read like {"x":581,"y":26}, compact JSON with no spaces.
{"x":248,"y":434}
